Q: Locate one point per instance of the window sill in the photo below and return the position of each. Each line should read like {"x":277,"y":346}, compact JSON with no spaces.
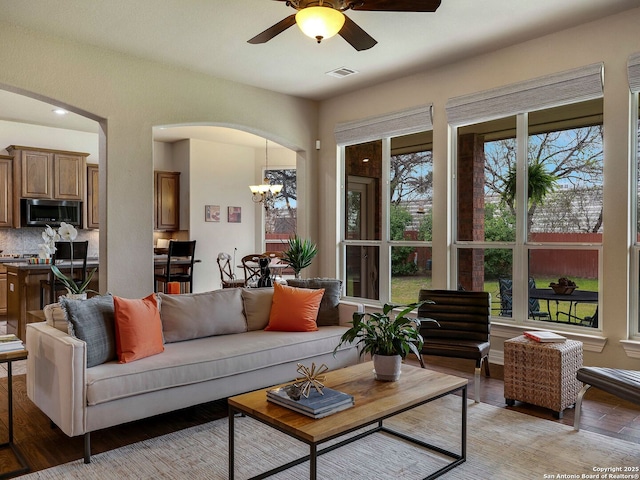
{"x":631,"y":348}
{"x":591,"y":343}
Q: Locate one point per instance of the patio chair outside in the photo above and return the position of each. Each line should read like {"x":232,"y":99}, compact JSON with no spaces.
{"x":506,"y":300}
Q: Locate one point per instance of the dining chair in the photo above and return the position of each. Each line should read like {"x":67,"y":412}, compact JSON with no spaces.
{"x":227,"y":277}
{"x":182,"y":273}
{"x":506,"y":300}
{"x":64,"y":252}
{"x":251,"y":267}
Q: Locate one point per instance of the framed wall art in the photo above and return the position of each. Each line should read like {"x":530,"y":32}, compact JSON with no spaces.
{"x":234,"y":214}
{"x":212,"y":213}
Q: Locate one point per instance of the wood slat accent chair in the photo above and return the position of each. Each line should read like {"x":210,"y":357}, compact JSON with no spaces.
{"x":465,"y":321}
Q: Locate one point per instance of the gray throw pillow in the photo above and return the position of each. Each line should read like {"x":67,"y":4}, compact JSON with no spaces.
{"x":257,"y":307}
{"x":329,"y":313}
{"x":197,"y":315}
{"x":92,"y":321}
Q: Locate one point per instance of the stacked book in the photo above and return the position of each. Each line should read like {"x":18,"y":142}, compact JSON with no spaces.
{"x":543,"y":336}
{"x":317,"y":405}
{"x":10,"y":343}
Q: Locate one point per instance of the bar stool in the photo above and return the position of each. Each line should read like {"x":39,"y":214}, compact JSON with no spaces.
{"x":182,"y":273}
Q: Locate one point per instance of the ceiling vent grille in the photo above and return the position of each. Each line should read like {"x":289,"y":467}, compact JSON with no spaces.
{"x":342,"y":72}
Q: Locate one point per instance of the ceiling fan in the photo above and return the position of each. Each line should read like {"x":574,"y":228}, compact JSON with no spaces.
{"x":322,"y":19}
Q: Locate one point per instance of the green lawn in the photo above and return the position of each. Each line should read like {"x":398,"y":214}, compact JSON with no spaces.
{"x":406,"y":289}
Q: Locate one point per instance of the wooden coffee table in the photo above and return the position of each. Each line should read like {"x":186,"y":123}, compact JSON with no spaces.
{"x":374,"y":402}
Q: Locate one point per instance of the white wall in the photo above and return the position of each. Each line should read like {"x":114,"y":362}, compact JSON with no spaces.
{"x":130,"y":96}
{"x":14,"y":133}
{"x":220,"y":175}
{"x":610,"y":40}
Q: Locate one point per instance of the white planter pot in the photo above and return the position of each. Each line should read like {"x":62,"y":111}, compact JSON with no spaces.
{"x":387,"y":367}
{"x":76,"y":296}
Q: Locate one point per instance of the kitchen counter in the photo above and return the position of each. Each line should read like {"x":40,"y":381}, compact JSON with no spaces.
{"x":23,"y":290}
{"x":23,"y":285}
{"x":91,"y":263}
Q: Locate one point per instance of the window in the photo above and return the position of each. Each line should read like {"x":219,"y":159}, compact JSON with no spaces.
{"x":634,"y":84}
{"x":281,"y":211}
{"x":398,"y":245}
{"x":387,"y":178}
{"x":528,"y":197}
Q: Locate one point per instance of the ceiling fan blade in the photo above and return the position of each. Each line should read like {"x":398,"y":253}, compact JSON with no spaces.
{"x":274,"y":30}
{"x":356,"y":36}
{"x":396,"y":5}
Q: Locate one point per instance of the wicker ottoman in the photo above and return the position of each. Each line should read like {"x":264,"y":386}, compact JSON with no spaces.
{"x":542,"y":374}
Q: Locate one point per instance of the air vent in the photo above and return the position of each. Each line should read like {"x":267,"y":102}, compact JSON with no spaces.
{"x":342,"y":72}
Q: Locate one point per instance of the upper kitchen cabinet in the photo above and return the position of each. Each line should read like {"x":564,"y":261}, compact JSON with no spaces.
{"x":167,"y":201}
{"x":92,"y":196}
{"x":45,"y":173}
{"x":6,"y":195}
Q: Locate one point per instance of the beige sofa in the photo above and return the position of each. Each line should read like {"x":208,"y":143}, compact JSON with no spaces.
{"x":81,"y":400}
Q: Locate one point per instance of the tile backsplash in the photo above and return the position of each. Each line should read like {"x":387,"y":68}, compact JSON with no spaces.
{"x":26,"y":240}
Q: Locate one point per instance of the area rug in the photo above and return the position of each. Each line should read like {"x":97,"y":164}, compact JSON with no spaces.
{"x":502,"y":444}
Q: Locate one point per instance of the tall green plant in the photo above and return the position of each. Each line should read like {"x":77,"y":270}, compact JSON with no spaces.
{"x":300,"y":253}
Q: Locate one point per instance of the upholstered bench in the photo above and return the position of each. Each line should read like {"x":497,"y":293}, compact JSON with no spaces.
{"x":621,"y":383}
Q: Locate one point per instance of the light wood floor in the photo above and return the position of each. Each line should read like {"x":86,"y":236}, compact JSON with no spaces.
{"x":44,"y":446}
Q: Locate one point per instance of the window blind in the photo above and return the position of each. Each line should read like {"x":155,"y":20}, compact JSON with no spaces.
{"x":392,"y":125}
{"x":633,"y":70}
{"x":571,"y":86}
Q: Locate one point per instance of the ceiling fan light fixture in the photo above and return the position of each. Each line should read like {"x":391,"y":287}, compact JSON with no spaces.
{"x":320,"y":22}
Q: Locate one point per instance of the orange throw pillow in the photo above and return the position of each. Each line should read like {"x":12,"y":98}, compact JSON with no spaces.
{"x":294,"y":309}
{"x":138,"y":328}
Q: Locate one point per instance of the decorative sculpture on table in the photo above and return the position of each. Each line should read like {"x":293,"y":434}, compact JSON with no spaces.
{"x":311,"y":378}
{"x":265,"y":273}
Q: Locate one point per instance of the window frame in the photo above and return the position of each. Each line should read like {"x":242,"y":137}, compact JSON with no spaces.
{"x":521,"y":246}
{"x":383,"y":129}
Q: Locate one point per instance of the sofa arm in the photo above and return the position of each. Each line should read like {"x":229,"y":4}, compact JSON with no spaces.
{"x":347,"y":309}
{"x":56,"y":373}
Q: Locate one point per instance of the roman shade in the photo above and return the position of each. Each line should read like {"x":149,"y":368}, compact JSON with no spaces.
{"x":633,"y":70}
{"x":413,"y":120}
{"x":571,"y":86}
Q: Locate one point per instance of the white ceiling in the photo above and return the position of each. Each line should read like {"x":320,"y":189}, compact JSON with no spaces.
{"x":210,"y":36}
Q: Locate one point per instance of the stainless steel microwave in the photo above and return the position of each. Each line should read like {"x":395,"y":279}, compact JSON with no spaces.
{"x":38,"y":213}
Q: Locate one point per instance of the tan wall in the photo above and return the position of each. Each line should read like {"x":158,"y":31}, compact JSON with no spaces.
{"x":132,"y":96}
{"x":609,"y":40}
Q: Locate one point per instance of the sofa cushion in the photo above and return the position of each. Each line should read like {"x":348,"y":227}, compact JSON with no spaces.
{"x":196,"y":315}
{"x":54,"y":315}
{"x":138,"y":328}
{"x":257,"y":307}
{"x":92,"y":321}
{"x":209,"y":358}
{"x":294,"y":309}
{"x":328,"y":314}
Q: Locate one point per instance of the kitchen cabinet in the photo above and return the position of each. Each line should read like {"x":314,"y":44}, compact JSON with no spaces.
{"x":3,"y":290}
{"x":6,"y":191}
{"x":92,"y":196}
{"x":167,"y":201}
{"x":45,"y":173}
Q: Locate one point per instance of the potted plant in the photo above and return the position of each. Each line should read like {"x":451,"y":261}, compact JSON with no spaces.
{"x":300,"y":254}
{"x":387,"y":339}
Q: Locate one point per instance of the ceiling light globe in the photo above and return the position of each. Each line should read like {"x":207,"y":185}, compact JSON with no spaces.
{"x":319,"y":22}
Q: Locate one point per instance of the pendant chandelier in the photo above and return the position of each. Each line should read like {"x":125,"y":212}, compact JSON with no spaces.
{"x":265,"y":192}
